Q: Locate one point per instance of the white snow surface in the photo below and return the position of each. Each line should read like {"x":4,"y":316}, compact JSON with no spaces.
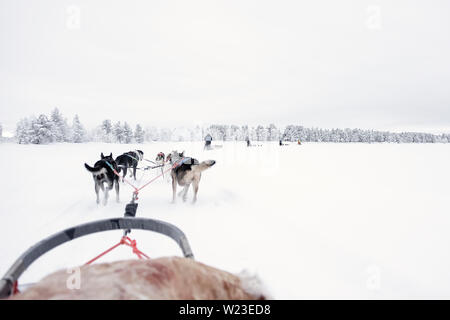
{"x":312,"y":221}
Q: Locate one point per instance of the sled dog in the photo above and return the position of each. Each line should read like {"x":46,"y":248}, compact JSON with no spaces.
{"x":129,"y":160}
{"x":189,"y":172}
{"x":160,"y":158}
{"x":102,"y":173}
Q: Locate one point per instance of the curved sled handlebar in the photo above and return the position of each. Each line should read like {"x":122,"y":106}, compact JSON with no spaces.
{"x":40,"y":248}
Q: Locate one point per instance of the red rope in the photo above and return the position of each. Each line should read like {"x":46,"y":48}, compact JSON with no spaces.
{"x":176,"y":164}
{"x":136,"y":189}
{"x":124,"y":179}
{"x":126,"y":241}
{"x":143,"y":186}
{"x":15,"y":289}
{"x":136,"y":251}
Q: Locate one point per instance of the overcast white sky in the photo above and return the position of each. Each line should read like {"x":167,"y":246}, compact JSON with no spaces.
{"x":371,"y":64}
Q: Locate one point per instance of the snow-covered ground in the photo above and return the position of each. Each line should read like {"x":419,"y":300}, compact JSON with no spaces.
{"x":313,"y":221}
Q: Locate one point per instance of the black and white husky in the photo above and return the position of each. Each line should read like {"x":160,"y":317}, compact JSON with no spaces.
{"x":189,"y":172}
{"x":129,"y":160}
{"x":103,"y":173}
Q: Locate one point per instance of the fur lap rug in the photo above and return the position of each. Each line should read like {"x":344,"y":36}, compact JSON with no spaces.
{"x":161,"y":278}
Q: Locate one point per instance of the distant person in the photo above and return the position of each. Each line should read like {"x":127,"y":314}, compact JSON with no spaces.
{"x":248,"y":142}
{"x":299,"y":142}
{"x":208,"y":140}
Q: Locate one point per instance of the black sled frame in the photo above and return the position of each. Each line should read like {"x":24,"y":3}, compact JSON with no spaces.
{"x":127,"y":223}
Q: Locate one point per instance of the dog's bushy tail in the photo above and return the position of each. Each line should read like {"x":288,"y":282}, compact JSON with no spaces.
{"x":205,"y":165}
{"x":90,"y":169}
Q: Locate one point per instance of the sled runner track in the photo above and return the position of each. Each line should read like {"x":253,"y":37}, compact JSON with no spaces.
{"x":9,"y":280}
{"x":60,"y":215}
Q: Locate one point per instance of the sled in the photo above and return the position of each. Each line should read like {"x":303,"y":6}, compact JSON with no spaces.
{"x":212,"y":147}
{"x":8,"y":284}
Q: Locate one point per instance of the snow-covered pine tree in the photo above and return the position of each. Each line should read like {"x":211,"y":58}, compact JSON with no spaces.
{"x":78,"y":131}
{"x":61,"y":132}
{"x":117,"y":132}
{"x":152,"y":134}
{"x":226,"y":133}
{"x":165,"y":134}
{"x":127,"y":133}
{"x":139,"y":134}
{"x":244,"y":133}
{"x":107,"y":134}
{"x":252,"y":132}
{"x":56,"y":118}
{"x":22,"y":131}
{"x":217,"y":132}
{"x":233,"y":133}
{"x":42,"y":130}
{"x":273,"y":133}
{"x":289,"y":133}
{"x":261,"y":133}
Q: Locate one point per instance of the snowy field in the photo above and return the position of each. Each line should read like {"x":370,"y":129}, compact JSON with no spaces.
{"x":313,"y":221}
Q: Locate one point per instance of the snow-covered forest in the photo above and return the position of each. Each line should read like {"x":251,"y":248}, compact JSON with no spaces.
{"x":47,"y":129}
{"x":55,"y":128}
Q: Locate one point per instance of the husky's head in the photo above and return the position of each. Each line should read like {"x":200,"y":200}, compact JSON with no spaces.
{"x":140,"y":154}
{"x":107,"y":158}
{"x":175,"y":156}
{"x":160,"y":156}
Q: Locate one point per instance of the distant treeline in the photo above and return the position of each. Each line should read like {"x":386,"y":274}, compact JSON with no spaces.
{"x":55,"y":128}
{"x":47,"y":129}
{"x":293,"y":133}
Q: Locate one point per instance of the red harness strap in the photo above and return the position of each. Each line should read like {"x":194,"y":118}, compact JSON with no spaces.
{"x":15,"y":288}
{"x":176,"y":164}
{"x":126,"y":241}
{"x":124,"y":179}
{"x":136,"y":189}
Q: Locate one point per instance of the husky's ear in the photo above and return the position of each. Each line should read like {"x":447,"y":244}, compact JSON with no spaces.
{"x":182,"y":154}
{"x":102,"y":156}
{"x":110,"y":155}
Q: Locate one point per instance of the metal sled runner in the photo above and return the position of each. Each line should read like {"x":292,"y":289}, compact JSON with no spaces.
{"x":9,"y":280}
